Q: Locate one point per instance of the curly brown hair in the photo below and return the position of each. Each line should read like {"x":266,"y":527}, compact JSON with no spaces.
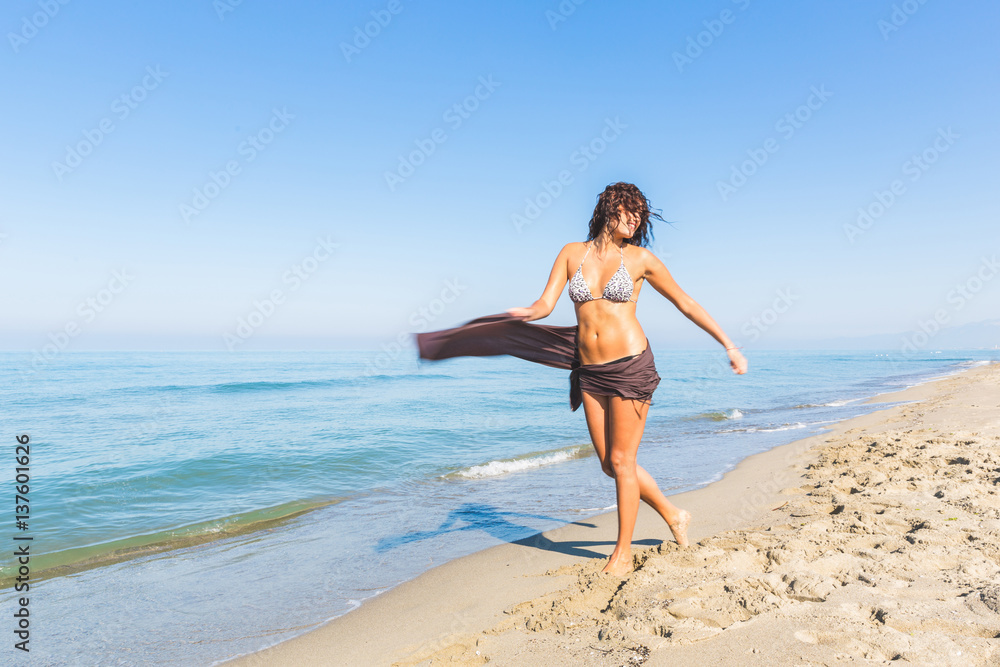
{"x":625,"y":196}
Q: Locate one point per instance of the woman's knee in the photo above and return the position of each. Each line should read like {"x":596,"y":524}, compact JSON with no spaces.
{"x":608,"y":469}
{"x":622,"y":465}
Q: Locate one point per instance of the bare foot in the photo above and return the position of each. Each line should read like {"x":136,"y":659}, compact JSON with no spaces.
{"x":680,"y":529}
{"x":618,"y":566}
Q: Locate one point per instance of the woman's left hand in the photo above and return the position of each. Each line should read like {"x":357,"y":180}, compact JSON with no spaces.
{"x":737,"y":361}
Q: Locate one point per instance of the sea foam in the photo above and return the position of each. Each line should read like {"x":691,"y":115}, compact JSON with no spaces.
{"x":522,"y":463}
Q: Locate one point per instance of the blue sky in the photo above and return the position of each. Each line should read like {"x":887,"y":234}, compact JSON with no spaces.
{"x":170,"y":169}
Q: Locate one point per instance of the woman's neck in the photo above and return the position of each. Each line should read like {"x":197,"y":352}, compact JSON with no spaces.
{"x":604,"y":243}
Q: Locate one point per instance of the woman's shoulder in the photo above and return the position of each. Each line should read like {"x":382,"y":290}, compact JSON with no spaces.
{"x":639,"y":252}
{"x":641,"y":258}
{"x":573,"y":248}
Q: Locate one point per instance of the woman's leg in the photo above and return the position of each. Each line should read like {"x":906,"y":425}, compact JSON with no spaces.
{"x":600,"y":424}
{"x":627,"y":421}
{"x":595,"y":407}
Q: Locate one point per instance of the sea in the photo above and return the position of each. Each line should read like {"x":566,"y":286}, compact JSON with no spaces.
{"x":189,"y":507}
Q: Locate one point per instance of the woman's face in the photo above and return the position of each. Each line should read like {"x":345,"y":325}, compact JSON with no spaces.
{"x":626,"y":225}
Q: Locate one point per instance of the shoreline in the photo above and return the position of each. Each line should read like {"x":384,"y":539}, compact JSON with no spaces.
{"x":439,"y":614}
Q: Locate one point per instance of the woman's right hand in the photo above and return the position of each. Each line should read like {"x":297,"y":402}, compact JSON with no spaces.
{"x":522,"y":312}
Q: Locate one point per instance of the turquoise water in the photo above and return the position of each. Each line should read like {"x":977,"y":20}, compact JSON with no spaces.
{"x":189,"y":507}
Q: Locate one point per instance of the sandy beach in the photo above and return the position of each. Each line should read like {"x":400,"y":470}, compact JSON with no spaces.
{"x":876,"y":541}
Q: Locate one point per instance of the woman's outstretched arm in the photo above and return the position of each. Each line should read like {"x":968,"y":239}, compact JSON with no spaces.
{"x":558,"y":278}
{"x":657,"y":275}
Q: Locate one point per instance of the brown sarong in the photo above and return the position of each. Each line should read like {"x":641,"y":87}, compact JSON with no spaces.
{"x":630,"y":377}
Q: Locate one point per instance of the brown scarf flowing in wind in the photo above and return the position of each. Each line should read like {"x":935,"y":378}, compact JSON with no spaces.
{"x":493,"y":335}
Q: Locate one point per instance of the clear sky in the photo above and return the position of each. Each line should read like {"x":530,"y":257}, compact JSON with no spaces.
{"x":170,"y":169}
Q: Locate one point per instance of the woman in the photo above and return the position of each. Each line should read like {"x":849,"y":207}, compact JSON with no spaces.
{"x":613,"y":371}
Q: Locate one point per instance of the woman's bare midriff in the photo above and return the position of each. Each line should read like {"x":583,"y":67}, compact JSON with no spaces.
{"x":608,"y":331}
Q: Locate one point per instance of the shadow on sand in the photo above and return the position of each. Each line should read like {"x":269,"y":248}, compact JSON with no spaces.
{"x":472,"y":516}
{"x":496,"y":522}
{"x":577,"y":548}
